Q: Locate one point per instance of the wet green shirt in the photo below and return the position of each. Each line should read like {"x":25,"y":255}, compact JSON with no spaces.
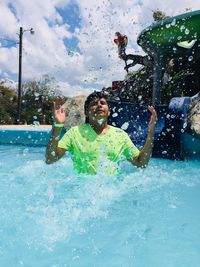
{"x":91,"y":151}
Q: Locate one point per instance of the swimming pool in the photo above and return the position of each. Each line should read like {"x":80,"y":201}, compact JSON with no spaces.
{"x":53,"y":217}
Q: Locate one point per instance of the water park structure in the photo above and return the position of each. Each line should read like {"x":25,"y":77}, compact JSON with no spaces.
{"x":172,"y":46}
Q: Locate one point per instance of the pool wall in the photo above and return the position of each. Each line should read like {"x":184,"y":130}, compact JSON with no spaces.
{"x":39,"y":136}
{"x":25,"y":135}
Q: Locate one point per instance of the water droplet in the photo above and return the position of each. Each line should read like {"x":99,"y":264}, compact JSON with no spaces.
{"x":184,"y":125}
{"x":173,"y":22}
{"x":182,"y":28}
{"x":187,"y":31}
{"x":114,"y":114}
{"x":125,"y":126}
{"x":190,"y":58}
{"x":53,"y":153}
{"x":36,"y":123}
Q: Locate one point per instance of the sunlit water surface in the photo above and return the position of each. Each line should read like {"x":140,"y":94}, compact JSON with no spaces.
{"x":51,"y":217}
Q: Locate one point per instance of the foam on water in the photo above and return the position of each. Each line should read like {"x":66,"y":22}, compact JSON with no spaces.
{"x":51,"y":216}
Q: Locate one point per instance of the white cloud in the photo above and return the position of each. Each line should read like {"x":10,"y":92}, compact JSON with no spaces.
{"x":73,"y":90}
{"x":96,"y":63}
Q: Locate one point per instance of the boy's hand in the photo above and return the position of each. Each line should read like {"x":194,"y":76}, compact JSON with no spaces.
{"x":58,"y":111}
{"x":153,"y":120}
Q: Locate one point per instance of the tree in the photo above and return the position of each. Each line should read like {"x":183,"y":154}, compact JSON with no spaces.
{"x":38,"y":96}
{"x":8,"y":104}
{"x":159,"y":15}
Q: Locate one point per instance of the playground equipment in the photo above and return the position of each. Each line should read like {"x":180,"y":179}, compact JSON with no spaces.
{"x":173,"y":44}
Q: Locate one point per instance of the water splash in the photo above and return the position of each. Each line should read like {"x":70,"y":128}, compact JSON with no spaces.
{"x":57,"y":211}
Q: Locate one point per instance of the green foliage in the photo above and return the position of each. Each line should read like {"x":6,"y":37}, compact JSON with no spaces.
{"x":37,"y":100}
{"x":8,"y":104}
{"x":38,"y":96}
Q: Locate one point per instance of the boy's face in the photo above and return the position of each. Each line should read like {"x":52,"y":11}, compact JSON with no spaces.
{"x":98,"y":109}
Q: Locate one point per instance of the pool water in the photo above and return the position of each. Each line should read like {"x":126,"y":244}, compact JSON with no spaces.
{"x":51,"y":217}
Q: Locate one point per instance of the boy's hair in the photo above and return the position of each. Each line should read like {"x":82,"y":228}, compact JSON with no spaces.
{"x":95,"y":94}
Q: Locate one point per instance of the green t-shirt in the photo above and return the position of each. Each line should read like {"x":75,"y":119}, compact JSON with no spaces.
{"x":91,"y":151}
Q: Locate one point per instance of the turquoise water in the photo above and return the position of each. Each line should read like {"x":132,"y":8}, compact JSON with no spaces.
{"x":50,"y":217}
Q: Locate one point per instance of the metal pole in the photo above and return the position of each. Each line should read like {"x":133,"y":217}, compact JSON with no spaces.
{"x":157,"y":78}
{"x":20,"y":77}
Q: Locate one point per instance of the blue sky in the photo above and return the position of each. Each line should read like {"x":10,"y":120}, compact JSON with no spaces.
{"x":73,"y":40}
